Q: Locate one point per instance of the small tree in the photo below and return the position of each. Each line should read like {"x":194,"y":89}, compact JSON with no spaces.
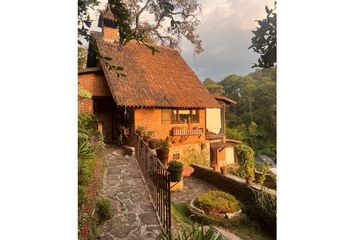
{"x":264,"y":41}
{"x":245,"y":157}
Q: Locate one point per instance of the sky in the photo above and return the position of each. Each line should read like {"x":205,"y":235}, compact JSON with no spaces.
{"x":225,"y":30}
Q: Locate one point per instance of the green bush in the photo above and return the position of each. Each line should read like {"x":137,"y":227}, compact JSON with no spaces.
{"x":217,"y":201}
{"x":88,"y":129}
{"x":265,"y":209}
{"x":175,"y":166}
{"x":86,"y":162}
{"x":245,"y":157}
{"x":84,"y":120}
{"x":103,"y":210}
{"x":197,"y":232}
{"x":81,"y":196}
{"x":262,"y":178}
{"x":84,"y":93}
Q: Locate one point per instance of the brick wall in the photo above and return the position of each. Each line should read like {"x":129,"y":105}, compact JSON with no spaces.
{"x":110,"y":33}
{"x":97,"y":85}
{"x":151,"y":120}
{"x":85,"y":106}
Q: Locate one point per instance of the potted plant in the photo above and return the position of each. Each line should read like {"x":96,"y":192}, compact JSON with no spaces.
{"x":140,"y":130}
{"x":245,"y":156}
{"x":223,"y":169}
{"x":148,"y":136}
{"x":249,"y":175}
{"x":153,"y":143}
{"x":176,"y":169}
{"x":163,"y":151}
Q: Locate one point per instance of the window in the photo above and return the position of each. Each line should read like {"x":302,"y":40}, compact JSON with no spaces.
{"x":185,"y":116}
{"x":194,"y":116}
{"x":176,"y":156}
{"x":165,"y":116}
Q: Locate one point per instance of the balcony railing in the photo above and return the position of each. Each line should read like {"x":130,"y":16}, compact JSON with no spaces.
{"x":157,"y":179}
{"x":187,"y":132}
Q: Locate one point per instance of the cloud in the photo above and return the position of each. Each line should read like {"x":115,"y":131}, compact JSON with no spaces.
{"x":225,"y":30}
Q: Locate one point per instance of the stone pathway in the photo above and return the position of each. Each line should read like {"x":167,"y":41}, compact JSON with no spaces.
{"x":134,"y":216}
{"x":192,"y":188}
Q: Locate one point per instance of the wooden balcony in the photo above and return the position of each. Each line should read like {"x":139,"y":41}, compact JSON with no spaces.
{"x":175,"y":132}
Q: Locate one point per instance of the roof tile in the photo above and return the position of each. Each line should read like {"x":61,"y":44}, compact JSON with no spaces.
{"x":161,"y":80}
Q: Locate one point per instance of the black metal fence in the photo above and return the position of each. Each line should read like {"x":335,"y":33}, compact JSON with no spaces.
{"x":157,"y":179}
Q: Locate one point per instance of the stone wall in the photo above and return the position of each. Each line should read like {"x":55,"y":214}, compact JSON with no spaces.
{"x":197,"y":153}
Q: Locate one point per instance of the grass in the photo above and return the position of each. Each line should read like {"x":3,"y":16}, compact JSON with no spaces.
{"x":242,"y":226}
{"x":103,"y":210}
{"x":180,"y":215}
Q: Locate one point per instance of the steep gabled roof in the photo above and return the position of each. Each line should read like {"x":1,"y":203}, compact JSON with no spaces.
{"x":161,"y":80}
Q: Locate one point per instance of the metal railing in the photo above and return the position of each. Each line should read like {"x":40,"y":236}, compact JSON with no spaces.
{"x":157,"y":179}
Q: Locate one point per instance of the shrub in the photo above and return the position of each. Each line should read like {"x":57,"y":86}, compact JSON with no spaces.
{"x":265,"y":210}
{"x":149,"y":134}
{"x":217,"y":201}
{"x":197,"y":232}
{"x":86,"y":162}
{"x":103,"y":210}
{"x":245,"y":156}
{"x":140,"y":130}
{"x":262,"y":178}
{"x":88,"y":128}
{"x":81,"y":196}
{"x":164,"y":145}
{"x":175,"y":165}
{"x":176,"y":170}
{"x":84,"y":93}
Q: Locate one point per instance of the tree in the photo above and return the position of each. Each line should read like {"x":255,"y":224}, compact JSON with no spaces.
{"x":253,"y":119}
{"x":132,"y":25}
{"x":83,"y":19}
{"x":170,"y":21}
{"x":213,"y":87}
{"x":264,"y":41}
{"x":164,"y":21}
{"x":81,"y":58}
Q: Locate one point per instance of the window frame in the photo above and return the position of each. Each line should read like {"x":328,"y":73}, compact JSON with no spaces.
{"x":190,"y":114}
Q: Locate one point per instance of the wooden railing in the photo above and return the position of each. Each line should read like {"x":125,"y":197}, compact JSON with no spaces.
{"x":187,"y":132}
{"x":157,"y":179}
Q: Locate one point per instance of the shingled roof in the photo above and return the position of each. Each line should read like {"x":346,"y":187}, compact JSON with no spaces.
{"x":162,"y":80}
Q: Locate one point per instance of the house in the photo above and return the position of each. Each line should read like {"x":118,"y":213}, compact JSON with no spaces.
{"x":160,"y":93}
{"x":221,"y":148}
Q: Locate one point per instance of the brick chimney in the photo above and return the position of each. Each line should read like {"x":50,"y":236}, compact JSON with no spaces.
{"x":109,"y":26}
